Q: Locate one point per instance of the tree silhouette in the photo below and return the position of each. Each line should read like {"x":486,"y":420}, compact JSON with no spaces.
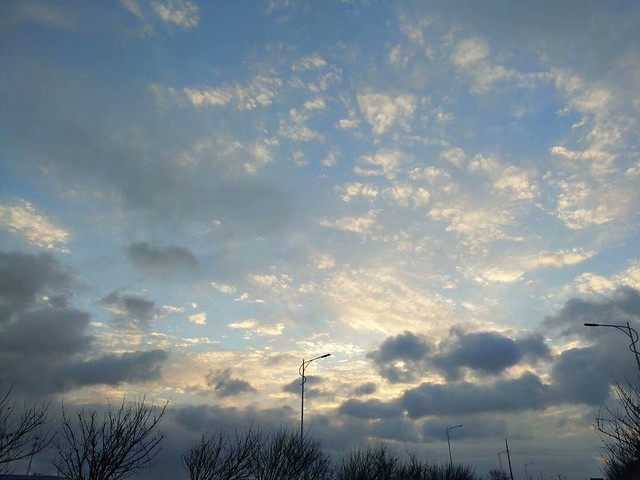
{"x":221,"y":457}
{"x":22,"y":434}
{"x":113,"y":447}
{"x":620,"y":434}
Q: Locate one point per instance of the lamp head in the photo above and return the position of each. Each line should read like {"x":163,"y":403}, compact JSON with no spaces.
{"x":325,"y":355}
{"x":591,"y":324}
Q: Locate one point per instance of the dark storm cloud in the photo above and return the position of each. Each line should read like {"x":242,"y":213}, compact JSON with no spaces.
{"x":526,"y":392}
{"x":25,"y":277}
{"x":472,"y":427}
{"x":623,"y":306}
{"x":130,"y":310}
{"x":408,"y":348}
{"x":156,"y":258}
{"x":370,"y":409}
{"x":115,"y":369}
{"x":586,"y":374}
{"x":488,"y":353}
{"x":294,"y":386}
{"x":43,"y":344}
{"x":47,"y":333}
{"x":365,"y":389}
{"x":225,"y":386}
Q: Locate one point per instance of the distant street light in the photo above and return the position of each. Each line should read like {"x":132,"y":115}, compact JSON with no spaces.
{"x":301,"y":370}
{"x":628,"y":331}
{"x":526,"y":474}
{"x":447,"y":430}
{"x":500,"y":458}
{"x":541,"y":477}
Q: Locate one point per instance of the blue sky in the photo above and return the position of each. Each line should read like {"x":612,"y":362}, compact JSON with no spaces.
{"x":195,"y":196}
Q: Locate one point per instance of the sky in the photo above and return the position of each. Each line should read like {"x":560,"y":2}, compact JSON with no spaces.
{"x":196,"y":196}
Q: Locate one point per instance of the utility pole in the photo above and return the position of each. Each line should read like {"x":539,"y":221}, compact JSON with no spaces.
{"x":509,"y":458}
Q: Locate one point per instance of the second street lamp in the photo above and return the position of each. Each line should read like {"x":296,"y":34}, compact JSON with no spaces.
{"x":447,"y":430}
{"x":628,"y":331}
{"x":301,"y":370}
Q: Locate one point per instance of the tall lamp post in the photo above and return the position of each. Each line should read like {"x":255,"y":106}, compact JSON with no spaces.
{"x":526,"y":474}
{"x":447,"y":430}
{"x":628,"y":331}
{"x":301,"y":370}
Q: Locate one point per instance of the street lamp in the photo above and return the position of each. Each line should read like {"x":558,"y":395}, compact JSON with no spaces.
{"x":447,"y":430}
{"x":541,"y":477}
{"x":301,"y":370}
{"x":500,"y":458}
{"x":628,"y":331}
{"x":526,"y":474}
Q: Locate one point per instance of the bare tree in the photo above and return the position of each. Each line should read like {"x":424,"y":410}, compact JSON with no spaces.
{"x":221,"y":456}
{"x":498,"y":475}
{"x":620,"y":434}
{"x":22,"y":434}
{"x":282,"y":455}
{"x":114,"y":447}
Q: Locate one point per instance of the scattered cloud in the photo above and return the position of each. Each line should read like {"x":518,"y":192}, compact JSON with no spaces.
{"x":383,"y":111}
{"x":156,"y":258}
{"x":130,"y":311}
{"x":225,"y":386}
{"x":182,"y":13}
{"x":198,"y":318}
{"x":37,"y":229}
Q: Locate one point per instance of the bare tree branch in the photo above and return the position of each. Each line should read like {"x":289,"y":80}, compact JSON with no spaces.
{"x":112,"y":448}
{"x":23,"y":434}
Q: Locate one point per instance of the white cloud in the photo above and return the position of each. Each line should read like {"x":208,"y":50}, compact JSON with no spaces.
{"x":399,"y":56}
{"x":271,"y":282}
{"x":384,"y":162}
{"x":471,"y":56}
{"x":382,"y":111}
{"x":497,"y":275}
{"x":259,"y":91}
{"x":430,"y":174}
{"x":179,"y":12}
{"x":221,"y":287}
{"x":361,"y":225}
{"x":589,"y":283}
{"x":299,"y":133}
{"x":516,"y":183}
{"x":476,"y":225}
{"x":350,"y":191}
{"x":484,"y":164}
{"x":308,"y":63}
{"x":316,"y":104}
{"x":381,"y":299}
{"x":579,"y":206}
{"x":413,"y":28}
{"x":399,"y":193}
{"x":169,"y":310}
{"x":456,"y":156}
{"x":258,"y":328}
{"x":599,"y":162}
{"x":37,"y":229}
{"x":421,"y":197}
{"x":469,"y":52}
{"x":198,"y":318}
{"x":557,"y":259}
{"x":324,"y":262}
{"x":331,"y":160}
{"x":297,"y":130}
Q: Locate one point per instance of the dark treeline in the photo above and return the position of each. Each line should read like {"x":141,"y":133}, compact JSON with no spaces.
{"x":124,"y":438}
{"x":120,"y":440}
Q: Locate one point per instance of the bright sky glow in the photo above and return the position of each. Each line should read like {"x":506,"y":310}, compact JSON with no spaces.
{"x":195,"y":196}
